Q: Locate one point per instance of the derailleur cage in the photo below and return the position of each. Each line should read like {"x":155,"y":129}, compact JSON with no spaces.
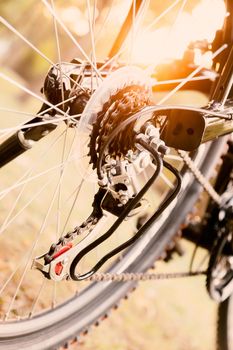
{"x":119,"y":182}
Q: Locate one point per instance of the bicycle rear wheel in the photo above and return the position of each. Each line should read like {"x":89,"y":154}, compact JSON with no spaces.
{"x":42,"y":323}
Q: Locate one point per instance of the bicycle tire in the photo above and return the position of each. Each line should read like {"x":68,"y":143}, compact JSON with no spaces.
{"x":224,"y":326}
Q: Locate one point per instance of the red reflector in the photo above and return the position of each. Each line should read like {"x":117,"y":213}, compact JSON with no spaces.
{"x":59,"y":266}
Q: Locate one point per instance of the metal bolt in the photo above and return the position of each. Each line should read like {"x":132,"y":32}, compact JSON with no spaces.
{"x":163,"y":149}
{"x":103,"y":182}
{"x":113,"y":171}
{"x":151,"y":131}
{"x":143,"y":162}
{"x":123,"y":199}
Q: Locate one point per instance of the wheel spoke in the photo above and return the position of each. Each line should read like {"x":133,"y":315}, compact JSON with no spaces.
{"x":36,"y":241}
{"x":91,"y":21}
{"x":21,"y":180}
{"x":29,"y":92}
{"x":72,"y":206}
{"x":55,"y":167}
{"x":175,"y":81}
{"x":61,"y":180}
{"x":70,"y":35}
{"x":5,"y":132}
{"x":19,"y":265}
{"x":104,"y":23}
{"x":190,"y":76}
{"x":35,"y":302}
{"x":45,"y":122}
{"x":147,"y":28}
{"x":8,"y":221}
{"x":167,"y":181}
{"x":34,"y":48}
{"x":161,"y":16}
{"x":58,"y":54}
{"x":29,"y":259}
{"x":42,"y":155}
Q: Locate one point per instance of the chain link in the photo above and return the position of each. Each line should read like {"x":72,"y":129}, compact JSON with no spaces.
{"x":200,"y":177}
{"x":140,"y":276}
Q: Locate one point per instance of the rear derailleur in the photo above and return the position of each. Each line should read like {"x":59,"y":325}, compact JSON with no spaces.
{"x":121,"y":194}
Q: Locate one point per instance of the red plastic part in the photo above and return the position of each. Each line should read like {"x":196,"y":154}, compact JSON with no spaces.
{"x":63,"y":250}
{"x":59,"y":266}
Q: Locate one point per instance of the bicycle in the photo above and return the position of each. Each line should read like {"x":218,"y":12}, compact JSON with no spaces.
{"x":133,"y":145}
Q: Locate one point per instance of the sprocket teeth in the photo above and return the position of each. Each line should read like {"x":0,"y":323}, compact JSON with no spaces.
{"x":85,"y":332}
{"x":104,"y":317}
{"x":74,"y":340}
{"x":120,"y":106}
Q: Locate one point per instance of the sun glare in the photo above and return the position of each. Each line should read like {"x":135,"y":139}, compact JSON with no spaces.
{"x":170,"y":42}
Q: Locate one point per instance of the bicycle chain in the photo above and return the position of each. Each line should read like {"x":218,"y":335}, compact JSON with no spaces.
{"x":86,"y":226}
{"x":200,"y":177}
{"x":141,"y":276}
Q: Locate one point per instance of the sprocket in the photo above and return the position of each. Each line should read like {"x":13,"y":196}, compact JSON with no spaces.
{"x":120,"y":106}
{"x":122,"y":93}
